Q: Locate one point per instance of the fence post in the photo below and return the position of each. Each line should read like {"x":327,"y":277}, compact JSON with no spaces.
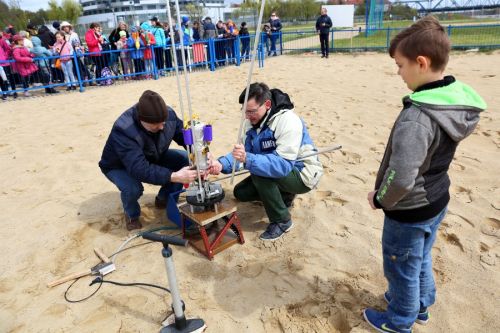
{"x":332,"y":46}
{"x":449,"y":30}
{"x":281,"y":42}
{"x":236,"y":47}
{"x":211,"y":50}
{"x":153,"y":57}
{"x":78,"y":75}
{"x":388,"y":37}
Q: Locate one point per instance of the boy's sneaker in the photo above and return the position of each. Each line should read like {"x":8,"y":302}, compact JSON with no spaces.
{"x":27,"y":94}
{"x":276,"y":230}
{"x":4,"y":97}
{"x":423,"y":314}
{"x":380,"y":322}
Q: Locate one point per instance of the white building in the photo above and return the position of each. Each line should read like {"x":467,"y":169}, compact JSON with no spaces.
{"x":109,"y":12}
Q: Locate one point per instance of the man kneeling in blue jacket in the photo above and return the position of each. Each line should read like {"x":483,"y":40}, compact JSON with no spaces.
{"x":276,"y":140}
{"x":137,"y":151}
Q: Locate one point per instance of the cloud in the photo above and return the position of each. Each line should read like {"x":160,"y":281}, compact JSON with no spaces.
{"x":33,"y":5}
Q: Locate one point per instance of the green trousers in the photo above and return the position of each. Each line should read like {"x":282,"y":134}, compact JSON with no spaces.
{"x":273,"y":192}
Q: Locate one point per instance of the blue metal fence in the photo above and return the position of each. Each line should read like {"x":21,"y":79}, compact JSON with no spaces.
{"x":107,"y":67}
{"x":486,"y":36}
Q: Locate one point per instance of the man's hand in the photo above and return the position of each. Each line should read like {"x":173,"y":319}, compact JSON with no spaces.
{"x":183,"y":176}
{"x":370,"y":198}
{"x":239,"y":153}
{"x":215,"y":168}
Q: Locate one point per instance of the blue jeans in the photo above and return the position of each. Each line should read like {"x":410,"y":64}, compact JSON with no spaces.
{"x":67,"y":68}
{"x":407,"y":257}
{"x":131,"y":189}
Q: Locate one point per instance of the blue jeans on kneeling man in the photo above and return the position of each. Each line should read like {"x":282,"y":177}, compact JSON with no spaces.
{"x":131,"y":189}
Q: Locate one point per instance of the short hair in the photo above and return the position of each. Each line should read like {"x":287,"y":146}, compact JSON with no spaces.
{"x":94,"y":25}
{"x":426,"y":38}
{"x":259,"y":91}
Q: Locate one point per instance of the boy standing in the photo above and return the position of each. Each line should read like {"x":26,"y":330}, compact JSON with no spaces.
{"x":412,"y":182}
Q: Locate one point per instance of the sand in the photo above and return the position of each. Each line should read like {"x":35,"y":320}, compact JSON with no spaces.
{"x":57,"y":206}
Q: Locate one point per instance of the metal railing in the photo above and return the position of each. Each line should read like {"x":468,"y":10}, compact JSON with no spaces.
{"x":486,"y":36}
{"x":109,"y":66}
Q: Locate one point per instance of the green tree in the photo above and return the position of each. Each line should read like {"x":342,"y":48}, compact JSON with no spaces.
{"x":360,"y":10}
{"x":71,"y":10}
{"x":194,"y":12}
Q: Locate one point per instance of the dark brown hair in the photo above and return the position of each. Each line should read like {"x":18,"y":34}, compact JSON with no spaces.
{"x":258,"y":90}
{"x":94,"y":25}
{"x":425,"y":38}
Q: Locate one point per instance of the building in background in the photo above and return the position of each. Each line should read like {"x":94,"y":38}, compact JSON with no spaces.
{"x":109,"y":12}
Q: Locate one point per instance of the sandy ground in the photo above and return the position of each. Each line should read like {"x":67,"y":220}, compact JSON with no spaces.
{"x":57,"y":206}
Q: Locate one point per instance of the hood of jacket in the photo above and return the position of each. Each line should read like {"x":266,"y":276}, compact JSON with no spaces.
{"x":37,"y":42}
{"x":455,"y":107}
{"x":145,"y":26}
{"x":280,"y":101}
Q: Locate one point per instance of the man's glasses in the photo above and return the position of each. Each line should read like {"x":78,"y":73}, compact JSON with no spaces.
{"x":254,"y":111}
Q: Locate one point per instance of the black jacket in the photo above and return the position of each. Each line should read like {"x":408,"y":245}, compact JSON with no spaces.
{"x":48,"y":38}
{"x":132,"y":148}
{"x":323,"y":24}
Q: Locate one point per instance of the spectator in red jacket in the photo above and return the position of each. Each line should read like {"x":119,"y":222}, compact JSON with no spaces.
{"x":23,"y":64}
{"x":94,"y":42}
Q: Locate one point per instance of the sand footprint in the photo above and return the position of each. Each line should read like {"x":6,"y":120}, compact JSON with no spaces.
{"x":490,"y":227}
{"x":251,"y":270}
{"x":453,"y":239}
{"x":462,"y":193}
{"x":352,"y":158}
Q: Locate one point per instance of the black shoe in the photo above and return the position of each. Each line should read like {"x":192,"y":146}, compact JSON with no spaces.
{"x":73,"y":87}
{"x":51,"y":91}
{"x":68,"y":88}
{"x":160,"y":203}
{"x":322,"y":56}
{"x":274,"y":55}
{"x":268,"y":54}
{"x":132,"y":223}
{"x":15,"y":95}
{"x":4,"y":97}
{"x":326,"y":56}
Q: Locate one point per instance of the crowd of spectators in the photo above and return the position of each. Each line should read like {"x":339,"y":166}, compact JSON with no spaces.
{"x":57,"y":55}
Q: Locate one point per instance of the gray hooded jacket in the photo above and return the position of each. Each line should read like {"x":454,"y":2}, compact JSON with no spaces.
{"x":412,"y":182}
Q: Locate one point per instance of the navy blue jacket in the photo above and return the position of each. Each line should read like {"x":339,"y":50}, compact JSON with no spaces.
{"x":132,"y":148}
{"x":323,"y":19}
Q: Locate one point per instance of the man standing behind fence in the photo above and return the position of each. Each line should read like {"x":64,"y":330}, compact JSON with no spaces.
{"x":323,"y":25}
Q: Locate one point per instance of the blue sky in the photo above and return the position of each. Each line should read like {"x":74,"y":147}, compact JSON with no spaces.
{"x":34,"y":5}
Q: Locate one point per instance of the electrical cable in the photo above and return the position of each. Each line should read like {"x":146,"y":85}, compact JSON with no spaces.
{"x":100,"y":280}
{"x":79,"y":300}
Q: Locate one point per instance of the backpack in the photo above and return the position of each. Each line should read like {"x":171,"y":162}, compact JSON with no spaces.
{"x":106,"y":74}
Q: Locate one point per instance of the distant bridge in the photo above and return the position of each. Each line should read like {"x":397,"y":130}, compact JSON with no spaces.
{"x":431,"y":6}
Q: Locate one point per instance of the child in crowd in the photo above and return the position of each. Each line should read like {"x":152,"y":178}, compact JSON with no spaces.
{"x":41,"y":54}
{"x":245,"y":41}
{"x":24,"y":64}
{"x":122,"y":45}
{"x":65,"y":51}
{"x":4,"y":82}
{"x":149,"y":41}
{"x":135,"y":45}
{"x":412,"y":185}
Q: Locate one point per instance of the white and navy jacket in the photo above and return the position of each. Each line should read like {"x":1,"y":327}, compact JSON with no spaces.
{"x":274,"y":145}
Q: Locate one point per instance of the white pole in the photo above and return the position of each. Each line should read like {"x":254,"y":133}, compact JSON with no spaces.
{"x":249,"y":79}
{"x":188,"y":96}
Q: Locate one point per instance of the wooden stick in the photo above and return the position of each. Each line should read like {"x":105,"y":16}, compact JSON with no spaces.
{"x":101,"y":255}
{"x":69,"y":278}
